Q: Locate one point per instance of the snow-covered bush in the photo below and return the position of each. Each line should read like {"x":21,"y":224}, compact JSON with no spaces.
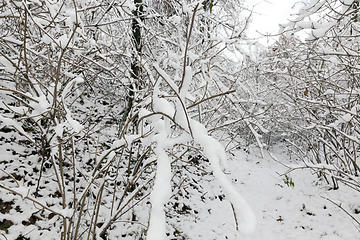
{"x":319,"y":83}
{"x":113,"y":96}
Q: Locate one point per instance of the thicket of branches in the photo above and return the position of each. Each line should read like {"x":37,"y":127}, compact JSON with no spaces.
{"x":318,"y":79}
{"x":115,"y":98}
{"x":121,"y":105}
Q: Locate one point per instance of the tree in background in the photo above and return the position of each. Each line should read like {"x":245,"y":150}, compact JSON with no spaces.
{"x":319,"y":83}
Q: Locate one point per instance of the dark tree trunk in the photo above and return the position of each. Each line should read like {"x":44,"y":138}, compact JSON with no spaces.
{"x":135,"y":64}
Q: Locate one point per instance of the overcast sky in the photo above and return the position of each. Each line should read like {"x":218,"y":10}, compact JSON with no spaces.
{"x":268,"y":14}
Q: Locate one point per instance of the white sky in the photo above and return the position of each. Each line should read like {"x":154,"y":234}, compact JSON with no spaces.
{"x":268,"y":14}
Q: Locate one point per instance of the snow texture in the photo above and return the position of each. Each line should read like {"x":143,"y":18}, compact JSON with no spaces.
{"x":162,"y":189}
{"x":214,"y":152}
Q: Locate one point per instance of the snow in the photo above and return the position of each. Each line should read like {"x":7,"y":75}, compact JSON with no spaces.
{"x":23,"y":191}
{"x":279,"y":209}
{"x":348,"y":2}
{"x":70,"y":85}
{"x":71,"y":19}
{"x":185,"y":8}
{"x":321,"y":31}
{"x":347,"y":117}
{"x":186,"y":84}
{"x":12,"y":40}
{"x":63,"y":40}
{"x":214,"y":152}
{"x":162,"y":189}
{"x":161,"y":105}
{"x":239,"y":192}
{"x":305,"y":24}
{"x":128,"y":4}
{"x":176,"y":19}
{"x":11,"y":123}
{"x":329,"y":92}
{"x":165,"y":77}
{"x":118,"y":143}
{"x":75,"y":125}
{"x":40,"y":21}
{"x":180,"y":116}
{"x":46,"y":39}
{"x":7,"y":65}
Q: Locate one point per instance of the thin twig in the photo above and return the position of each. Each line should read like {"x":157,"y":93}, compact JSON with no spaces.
{"x":339,"y":206}
{"x":236,"y":221}
{"x":211,"y":97}
{"x":187,"y":45}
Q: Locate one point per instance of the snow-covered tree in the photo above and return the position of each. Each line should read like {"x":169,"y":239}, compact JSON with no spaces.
{"x":319,"y":81}
{"x":117,"y":97}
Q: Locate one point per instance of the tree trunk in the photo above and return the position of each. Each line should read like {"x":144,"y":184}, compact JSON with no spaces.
{"x":135,"y":64}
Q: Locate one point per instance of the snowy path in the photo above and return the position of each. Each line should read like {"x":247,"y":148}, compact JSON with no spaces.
{"x":291,"y":213}
{"x":283,"y":213}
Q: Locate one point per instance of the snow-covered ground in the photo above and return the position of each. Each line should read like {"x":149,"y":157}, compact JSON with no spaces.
{"x":283,"y":212}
